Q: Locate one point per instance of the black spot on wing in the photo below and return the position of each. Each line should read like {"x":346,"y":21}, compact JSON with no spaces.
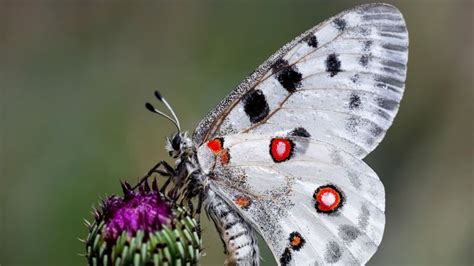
{"x":289,"y":78}
{"x":354,"y":102}
{"x":391,"y":71}
{"x":364,"y":60}
{"x":348,"y":232}
{"x":395,"y":47}
{"x":285,"y":257}
{"x":395,"y":36}
{"x":256,"y":106}
{"x":363,"y":218}
{"x":387,"y":104}
{"x":354,"y":178}
{"x":392,"y":28}
{"x":376,"y":130}
{"x":311,"y":40}
{"x":333,"y":252}
{"x":375,"y":133}
{"x":355,"y":78}
{"x":368,"y":45}
{"x":336,"y":157}
{"x":353,"y":124}
{"x":394,"y":64}
{"x":383,"y":114}
{"x":388,"y":87}
{"x":389,"y":81}
{"x":364,"y":31}
{"x":381,"y":17}
{"x":278,"y":65}
{"x":340,"y":24}
{"x":300,"y":132}
{"x":333,"y":64}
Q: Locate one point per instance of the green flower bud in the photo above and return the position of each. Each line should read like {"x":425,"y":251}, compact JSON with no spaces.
{"x":142,"y":228}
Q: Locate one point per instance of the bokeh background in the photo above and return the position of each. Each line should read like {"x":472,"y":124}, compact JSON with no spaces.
{"x":74,"y":77}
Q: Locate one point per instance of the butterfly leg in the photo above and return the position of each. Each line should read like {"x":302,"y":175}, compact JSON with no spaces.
{"x":197,"y":215}
{"x":169,"y":171}
{"x":180,"y":176}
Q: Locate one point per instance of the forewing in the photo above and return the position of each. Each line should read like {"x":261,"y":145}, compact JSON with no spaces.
{"x":310,"y":201}
{"x":342,"y":80}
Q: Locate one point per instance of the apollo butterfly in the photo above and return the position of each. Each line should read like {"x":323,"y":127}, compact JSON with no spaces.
{"x":281,"y":155}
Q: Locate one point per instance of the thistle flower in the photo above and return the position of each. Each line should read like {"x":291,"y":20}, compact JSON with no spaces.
{"x":142,"y":228}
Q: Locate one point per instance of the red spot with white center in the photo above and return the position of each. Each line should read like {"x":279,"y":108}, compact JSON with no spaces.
{"x":328,"y":199}
{"x":281,"y":149}
{"x":215,"y":145}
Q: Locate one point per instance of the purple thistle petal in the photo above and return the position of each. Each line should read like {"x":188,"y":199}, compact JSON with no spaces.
{"x":143,"y":210}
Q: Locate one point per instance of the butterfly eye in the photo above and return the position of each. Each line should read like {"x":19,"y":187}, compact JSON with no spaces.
{"x":175,"y":143}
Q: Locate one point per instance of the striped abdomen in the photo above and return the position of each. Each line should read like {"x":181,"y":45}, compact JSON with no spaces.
{"x":238,"y":237}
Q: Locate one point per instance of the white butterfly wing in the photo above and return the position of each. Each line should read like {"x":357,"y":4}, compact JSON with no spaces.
{"x":281,"y":191}
{"x":343,"y":80}
{"x":284,"y":147}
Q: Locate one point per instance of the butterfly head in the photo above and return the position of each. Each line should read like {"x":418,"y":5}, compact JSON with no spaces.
{"x":179,"y":144}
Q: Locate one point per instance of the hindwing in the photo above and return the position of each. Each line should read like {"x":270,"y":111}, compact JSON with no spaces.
{"x":310,"y":201}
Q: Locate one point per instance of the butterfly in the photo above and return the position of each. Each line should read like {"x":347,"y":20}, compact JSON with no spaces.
{"x":281,"y":155}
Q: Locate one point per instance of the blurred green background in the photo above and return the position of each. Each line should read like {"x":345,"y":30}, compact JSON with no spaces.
{"x":74,"y":77}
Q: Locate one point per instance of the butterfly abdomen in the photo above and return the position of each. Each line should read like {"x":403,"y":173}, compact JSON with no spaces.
{"x":239,"y":239}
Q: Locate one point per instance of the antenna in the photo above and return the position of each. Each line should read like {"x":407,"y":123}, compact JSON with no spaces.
{"x":152,"y":109}
{"x":159,"y":97}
